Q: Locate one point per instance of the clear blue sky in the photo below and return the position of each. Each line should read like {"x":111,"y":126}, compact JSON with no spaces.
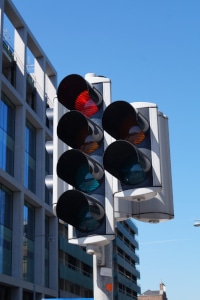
{"x":151,"y":51}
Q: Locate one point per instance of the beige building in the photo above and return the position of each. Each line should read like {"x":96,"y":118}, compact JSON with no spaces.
{"x":154,"y":295}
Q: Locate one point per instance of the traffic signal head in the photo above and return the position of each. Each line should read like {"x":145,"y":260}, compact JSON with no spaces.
{"x":134,"y":157}
{"x":139,"y":160}
{"x":83,"y":204}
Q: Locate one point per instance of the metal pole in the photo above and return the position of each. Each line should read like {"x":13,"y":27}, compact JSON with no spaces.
{"x":103,"y":275}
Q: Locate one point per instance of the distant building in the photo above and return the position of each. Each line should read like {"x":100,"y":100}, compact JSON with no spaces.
{"x":154,"y":295}
{"x":125,"y":261}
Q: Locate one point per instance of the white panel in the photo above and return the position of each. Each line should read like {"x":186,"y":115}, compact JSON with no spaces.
{"x":160,"y":208}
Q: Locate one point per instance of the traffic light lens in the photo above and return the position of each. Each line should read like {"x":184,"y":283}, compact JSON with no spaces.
{"x":86,"y":222}
{"x":85,"y":182}
{"x":80,"y":210}
{"x":86,"y":142}
{"x":130,"y":131}
{"x":85,"y":104}
{"x":88,"y":148}
{"x":135,"y":135}
{"x":132,"y":173}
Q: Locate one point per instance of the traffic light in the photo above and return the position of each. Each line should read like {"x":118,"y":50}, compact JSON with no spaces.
{"x":86,"y":204}
{"x":135,"y":159}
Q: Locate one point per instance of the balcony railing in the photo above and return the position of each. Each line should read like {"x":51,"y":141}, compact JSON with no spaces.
{"x":8,"y":49}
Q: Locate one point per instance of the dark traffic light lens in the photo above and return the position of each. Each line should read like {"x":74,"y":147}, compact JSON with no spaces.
{"x":130,"y":131}
{"x":85,"y":104}
{"x":85,"y":182}
{"x":132,"y":173}
{"x":80,"y":210}
{"x":87,"y":222}
{"x":85,"y":142}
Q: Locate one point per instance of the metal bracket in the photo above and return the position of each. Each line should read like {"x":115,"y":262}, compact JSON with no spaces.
{"x":99,"y":251}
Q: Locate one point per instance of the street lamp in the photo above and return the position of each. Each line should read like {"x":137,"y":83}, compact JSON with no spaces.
{"x":197,"y":223}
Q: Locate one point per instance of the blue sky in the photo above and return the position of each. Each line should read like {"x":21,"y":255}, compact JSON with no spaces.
{"x":151,"y":51}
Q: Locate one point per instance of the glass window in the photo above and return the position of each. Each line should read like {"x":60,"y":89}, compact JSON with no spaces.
{"x":6,"y":198}
{"x":29,"y":243}
{"x":7,"y":134}
{"x":30,"y":157}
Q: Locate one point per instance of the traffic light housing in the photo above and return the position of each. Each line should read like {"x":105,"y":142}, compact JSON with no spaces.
{"x":135,"y":159}
{"x":160,"y":208}
{"x":86,"y":204}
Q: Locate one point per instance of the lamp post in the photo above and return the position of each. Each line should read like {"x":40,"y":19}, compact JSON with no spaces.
{"x":196,"y":223}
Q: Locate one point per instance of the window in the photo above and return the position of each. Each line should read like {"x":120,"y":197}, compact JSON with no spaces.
{"x":30,"y":157}
{"x":6,"y":197}
{"x":29,"y":243}
{"x":7,"y":134}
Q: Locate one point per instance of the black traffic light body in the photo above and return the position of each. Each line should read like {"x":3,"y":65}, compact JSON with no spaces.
{"x":84,"y":205}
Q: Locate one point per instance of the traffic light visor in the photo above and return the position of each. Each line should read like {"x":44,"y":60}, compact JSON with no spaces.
{"x":80,"y":210}
{"x":75,"y":93}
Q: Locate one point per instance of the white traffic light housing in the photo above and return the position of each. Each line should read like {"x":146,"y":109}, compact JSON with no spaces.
{"x":85,"y":205}
{"x":136,"y":159}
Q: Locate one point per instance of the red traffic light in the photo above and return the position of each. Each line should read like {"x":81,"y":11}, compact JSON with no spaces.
{"x":75,"y":93}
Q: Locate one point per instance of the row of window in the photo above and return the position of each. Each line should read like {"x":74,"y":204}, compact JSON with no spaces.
{"x":128,"y":228}
{"x":6,"y":293}
{"x":125,"y":256}
{"x":127,"y":291}
{"x":127,"y":274}
{"x":6,"y":229}
{"x":76,"y":289}
{"x":7,"y":147}
{"x":125,"y":240}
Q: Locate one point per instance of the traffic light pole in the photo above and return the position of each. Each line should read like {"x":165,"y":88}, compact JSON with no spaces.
{"x":103,"y":275}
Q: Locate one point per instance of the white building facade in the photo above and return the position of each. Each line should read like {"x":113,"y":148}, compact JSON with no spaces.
{"x":28,"y":228}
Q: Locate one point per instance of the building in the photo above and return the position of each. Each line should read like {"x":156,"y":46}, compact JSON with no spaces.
{"x":36,"y":260}
{"x":154,"y":295}
{"x":28,"y":264}
{"x":125,"y":260}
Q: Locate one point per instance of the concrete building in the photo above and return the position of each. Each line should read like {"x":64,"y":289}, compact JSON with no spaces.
{"x":154,"y":295}
{"x":28,"y":238}
{"x":36,"y":260}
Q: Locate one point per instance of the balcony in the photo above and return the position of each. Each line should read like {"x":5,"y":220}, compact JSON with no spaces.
{"x":76,"y":275}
